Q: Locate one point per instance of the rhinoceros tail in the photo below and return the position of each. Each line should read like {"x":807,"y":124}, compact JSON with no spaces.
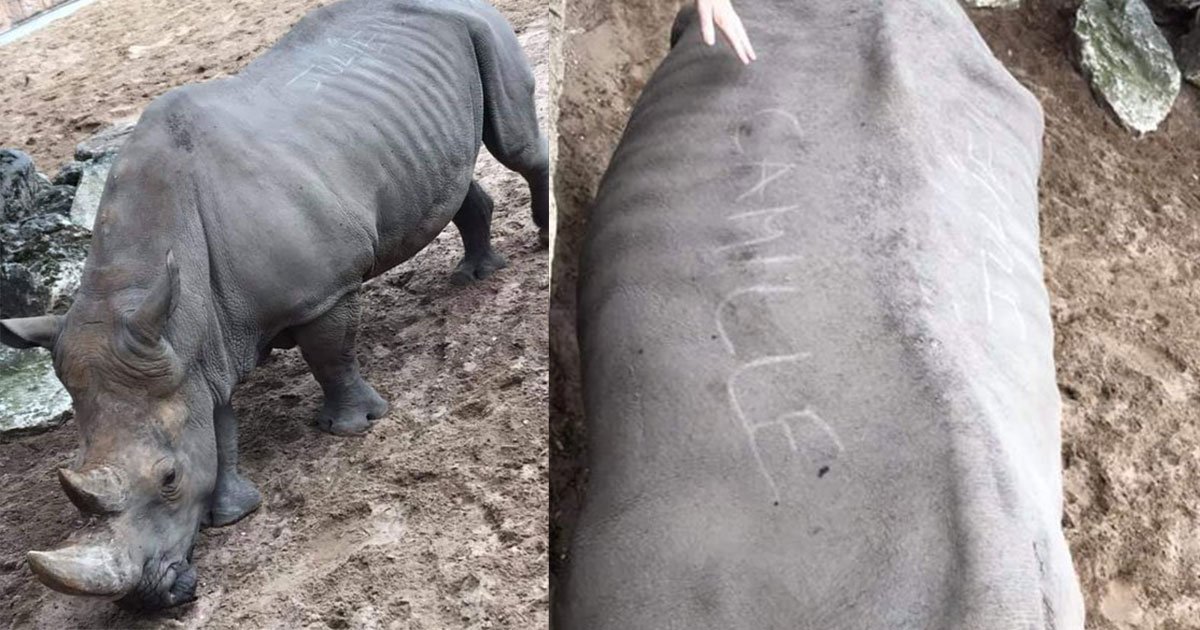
{"x":510,"y":123}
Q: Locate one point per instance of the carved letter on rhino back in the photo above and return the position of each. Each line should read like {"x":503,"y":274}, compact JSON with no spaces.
{"x":816,"y":344}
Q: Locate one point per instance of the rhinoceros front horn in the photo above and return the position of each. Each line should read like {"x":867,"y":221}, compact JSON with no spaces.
{"x":96,"y":491}
{"x":95,"y":570}
{"x":151,"y":316}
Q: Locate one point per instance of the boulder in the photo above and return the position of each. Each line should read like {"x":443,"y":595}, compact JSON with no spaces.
{"x":1174,"y":5}
{"x":19,"y":184}
{"x":91,"y":187}
{"x":42,"y":264}
{"x":54,"y":199}
{"x":1127,"y":60}
{"x":69,"y":174}
{"x":107,"y":142}
{"x":1189,"y":54}
{"x":992,"y":4}
{"x":1172,"y":13}
{"x":31,"y":397}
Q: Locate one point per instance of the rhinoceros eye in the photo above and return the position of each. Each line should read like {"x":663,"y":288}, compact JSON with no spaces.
{"x":170,"y":489}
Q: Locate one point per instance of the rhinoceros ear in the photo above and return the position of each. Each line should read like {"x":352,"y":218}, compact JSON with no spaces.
{"x":30,"y":332}
{"x":151,"y":317}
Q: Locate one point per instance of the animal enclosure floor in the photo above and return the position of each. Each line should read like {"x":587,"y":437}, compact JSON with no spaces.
{"x":435,"y":519}
{"x":1120,"y":220}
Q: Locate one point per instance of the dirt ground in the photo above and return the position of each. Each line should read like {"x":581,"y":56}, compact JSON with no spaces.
{"x":1121,"y":241}
{"x":435,"y":519}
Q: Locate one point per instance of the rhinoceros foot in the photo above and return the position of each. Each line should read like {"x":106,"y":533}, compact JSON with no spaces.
{"x":234,"y":499}
{"x":353,"y":412}
{"x":477,"y":267}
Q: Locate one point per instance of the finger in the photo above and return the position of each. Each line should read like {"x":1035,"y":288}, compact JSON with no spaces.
{"x":731,"y":28}
{"x":745,"y":50}
{"x":706,"y":22}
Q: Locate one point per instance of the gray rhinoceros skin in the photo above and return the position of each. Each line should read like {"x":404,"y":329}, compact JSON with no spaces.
{"x":244,"y":214}
{"x":816,"y":344}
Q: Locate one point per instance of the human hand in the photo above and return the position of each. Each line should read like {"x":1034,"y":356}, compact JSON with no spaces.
{"x":721,"y":13}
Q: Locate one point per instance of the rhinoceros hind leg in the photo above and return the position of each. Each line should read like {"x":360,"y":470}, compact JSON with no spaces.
{"x":234,"y":496}
{"x":474,"y":222}
{"x":537,"y":175}
{"x":327,"y":343}
{"x":532,"y":161}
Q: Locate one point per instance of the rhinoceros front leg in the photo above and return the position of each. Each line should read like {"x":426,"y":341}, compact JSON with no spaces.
{"x":474,"y":223}
{"x":327,"y":344}
{"x":233,"y":497}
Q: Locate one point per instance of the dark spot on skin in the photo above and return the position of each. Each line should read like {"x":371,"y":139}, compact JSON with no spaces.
{"x":822,"y":471}
{"x":714,"y":337}
{"x":776,"y":503}
{"x":180,"y":135}
{"x":745,"y":129}
{"x":641,"y":351}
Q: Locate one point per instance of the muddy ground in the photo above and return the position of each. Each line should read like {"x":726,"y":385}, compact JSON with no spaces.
{"x":437,"y":518}
{"x":1121,"y":241}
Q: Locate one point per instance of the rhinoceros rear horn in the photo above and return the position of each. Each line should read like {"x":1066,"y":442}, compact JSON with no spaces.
{"x":151,"y":317}
{"x":95,"y":491}
{"x":98,"y":570}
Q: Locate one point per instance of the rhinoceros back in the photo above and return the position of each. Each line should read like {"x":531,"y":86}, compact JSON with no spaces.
{"x":817,"y":352}
{"x":352,"y":142}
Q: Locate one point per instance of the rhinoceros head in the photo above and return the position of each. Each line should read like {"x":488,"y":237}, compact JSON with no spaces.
{"x":147,"y":462}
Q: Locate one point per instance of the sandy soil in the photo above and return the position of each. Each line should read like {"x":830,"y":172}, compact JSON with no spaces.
{"x":1121,"y":241}
{"x":437,"y":518}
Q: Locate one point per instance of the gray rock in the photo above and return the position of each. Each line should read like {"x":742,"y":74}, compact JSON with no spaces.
{"x":22,"y":294}
{"x":69,"y":174}
{"x":106,"y":142}
{"x":1174,"y":5}
{"x":19,"y":184}
{"x":42,"y":264}
{"x":54,"y":200}
{"x":91,"y":186}
{"x":1172,"y":13}
{"x":1189,"y":54}
{"x":1128,"y":61}
{"x":32,"y":399}
{"x":992,"y":4}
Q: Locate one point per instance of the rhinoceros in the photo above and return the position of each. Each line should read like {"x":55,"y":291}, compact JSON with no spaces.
{"x":245,"y":214}
{"x":816,"y":343}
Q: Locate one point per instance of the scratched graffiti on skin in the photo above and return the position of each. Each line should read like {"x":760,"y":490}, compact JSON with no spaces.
{"x":343,"y":54}
{"x":996,"y":257}
{"x":762,"y":222}
{"x":973,"y":166}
